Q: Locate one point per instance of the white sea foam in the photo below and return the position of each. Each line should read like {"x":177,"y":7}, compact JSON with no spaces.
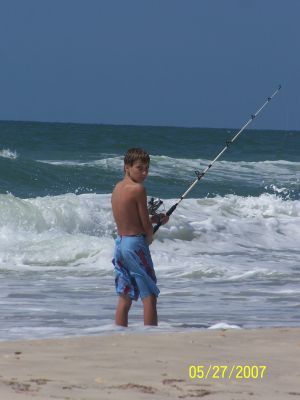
{"x":171,"y":165}
{"x":68,"y":240}
{"x":114,"y":163}
{"x":201,"y":239}
{"x":179,"y":168}
{"x":66,"y":230}
{"x":237,"y":171}
{"x":224,"y":325}
{"x":7,"y":153}
{"x":218,"y":259}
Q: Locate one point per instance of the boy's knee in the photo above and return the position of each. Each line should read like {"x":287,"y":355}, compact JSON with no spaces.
{"x":150,"y":300}
{"x":125,"y":301}
{"x":150,"y":313}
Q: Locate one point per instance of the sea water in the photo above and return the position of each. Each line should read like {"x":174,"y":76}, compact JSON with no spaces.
{"x":229,"y":256}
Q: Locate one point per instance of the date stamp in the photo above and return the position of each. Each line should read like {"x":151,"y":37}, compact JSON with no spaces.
{"x":235,"y":371}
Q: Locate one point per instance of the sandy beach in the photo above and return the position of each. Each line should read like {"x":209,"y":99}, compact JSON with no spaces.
{"x":233,"y":364}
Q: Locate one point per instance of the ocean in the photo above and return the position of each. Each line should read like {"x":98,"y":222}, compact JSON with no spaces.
{"x":229,"y":256}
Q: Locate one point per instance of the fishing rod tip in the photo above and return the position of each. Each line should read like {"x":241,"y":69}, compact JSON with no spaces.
{"x":279,"y":87}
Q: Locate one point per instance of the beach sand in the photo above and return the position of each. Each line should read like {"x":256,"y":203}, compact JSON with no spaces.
{"x":154,"y":366}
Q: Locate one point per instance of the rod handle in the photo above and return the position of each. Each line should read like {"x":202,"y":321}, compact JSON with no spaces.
{"x":168,"y":213}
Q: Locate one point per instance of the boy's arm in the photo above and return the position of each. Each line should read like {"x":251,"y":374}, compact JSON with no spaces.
{"x":141,"y":198}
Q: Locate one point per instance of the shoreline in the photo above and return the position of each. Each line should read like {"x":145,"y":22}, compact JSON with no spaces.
{"x":140,"y":329}
{"x":155,"y":365}
{"x":145,"y":330}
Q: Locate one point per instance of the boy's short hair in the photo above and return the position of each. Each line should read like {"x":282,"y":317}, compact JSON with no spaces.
{"x":136,"y":154}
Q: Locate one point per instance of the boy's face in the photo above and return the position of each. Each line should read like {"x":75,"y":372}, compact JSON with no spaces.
{"x":138,"y":171}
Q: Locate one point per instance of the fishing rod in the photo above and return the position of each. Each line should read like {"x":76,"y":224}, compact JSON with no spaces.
{"x":202,"y":173}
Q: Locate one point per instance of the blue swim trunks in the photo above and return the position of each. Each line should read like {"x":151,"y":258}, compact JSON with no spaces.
{"x":134,"y":272}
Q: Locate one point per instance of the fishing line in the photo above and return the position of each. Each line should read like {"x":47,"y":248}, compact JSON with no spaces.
{"x":201,"y":174}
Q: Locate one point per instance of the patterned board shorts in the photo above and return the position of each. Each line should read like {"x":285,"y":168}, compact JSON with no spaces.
{"x":134,"y":272}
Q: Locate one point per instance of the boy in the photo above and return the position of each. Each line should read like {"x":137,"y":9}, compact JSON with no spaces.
{"x":134,"y":272}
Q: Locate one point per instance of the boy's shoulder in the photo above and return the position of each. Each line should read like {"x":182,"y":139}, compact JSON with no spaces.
{"x":133,"y":187}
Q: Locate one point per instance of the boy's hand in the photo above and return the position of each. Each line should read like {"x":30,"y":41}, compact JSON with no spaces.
{"x":162,"y":218}
{"x":149,"y":238}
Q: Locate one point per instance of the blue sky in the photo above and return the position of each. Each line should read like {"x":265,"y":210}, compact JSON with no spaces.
{"x":204,"y":63}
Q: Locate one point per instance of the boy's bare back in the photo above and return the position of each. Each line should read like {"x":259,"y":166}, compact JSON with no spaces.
{"x":129,"y":202}
{"x":124,"y":201}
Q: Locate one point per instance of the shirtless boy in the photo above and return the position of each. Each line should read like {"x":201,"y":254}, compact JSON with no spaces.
{"x":134,"y":272}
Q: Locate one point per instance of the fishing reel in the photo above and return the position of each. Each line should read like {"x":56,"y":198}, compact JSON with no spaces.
{"x":153,"y":206}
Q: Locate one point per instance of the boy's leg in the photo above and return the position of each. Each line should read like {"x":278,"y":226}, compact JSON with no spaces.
{"x":123,"y":308}
{"x":150,"y":313}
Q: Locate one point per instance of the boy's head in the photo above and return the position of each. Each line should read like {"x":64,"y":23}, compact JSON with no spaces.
{"x":136,"y":164}
{"x":136,"y":154}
